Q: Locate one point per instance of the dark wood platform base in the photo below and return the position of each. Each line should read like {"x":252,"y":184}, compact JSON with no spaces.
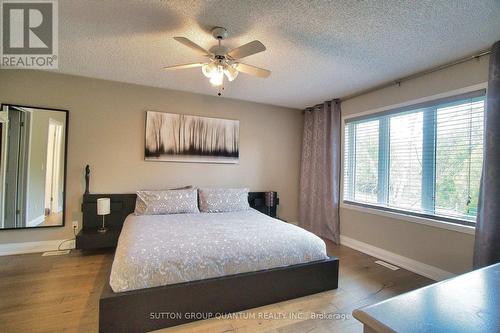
{"x":154,"y":308}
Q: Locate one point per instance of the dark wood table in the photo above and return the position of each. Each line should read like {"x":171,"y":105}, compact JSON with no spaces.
{"x":90,"y":239}
{"x":467,"y":303}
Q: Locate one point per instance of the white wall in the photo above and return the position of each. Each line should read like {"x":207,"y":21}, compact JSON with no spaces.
{"x":445,"y":249}
{"x":106,"y":130}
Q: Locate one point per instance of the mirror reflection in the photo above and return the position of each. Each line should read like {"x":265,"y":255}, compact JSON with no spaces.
{"x":32,"y":167}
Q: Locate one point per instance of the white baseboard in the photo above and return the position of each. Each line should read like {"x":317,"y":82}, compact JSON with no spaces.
{"x":32,"y":247}
{"x":411,"y":265}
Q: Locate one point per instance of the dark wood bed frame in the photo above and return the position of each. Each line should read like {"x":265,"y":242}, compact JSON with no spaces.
{"x":154,"y":308}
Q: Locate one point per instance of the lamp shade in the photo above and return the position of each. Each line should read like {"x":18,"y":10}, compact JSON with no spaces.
{"x":103,"y":206}
{"x":231,"y":72}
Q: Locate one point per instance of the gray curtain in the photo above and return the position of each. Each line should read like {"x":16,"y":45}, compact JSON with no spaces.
{"x":487,"y":244}
{"x":320,"y":171}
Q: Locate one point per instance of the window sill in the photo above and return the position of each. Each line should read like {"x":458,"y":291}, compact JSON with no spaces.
{"x":410,"y":218}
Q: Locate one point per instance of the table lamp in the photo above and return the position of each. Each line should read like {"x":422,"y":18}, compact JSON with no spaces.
{"x":103,"y":208}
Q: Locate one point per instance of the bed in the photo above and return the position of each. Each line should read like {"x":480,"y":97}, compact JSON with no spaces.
{"x":172,"y":269}
{"x":158,"y":250}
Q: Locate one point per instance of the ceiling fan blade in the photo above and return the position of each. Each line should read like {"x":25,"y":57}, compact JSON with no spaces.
{"x":184,"y":66}
{"x":252,"y":70}
{"x":246,"y":50}
{"x":192,"y":45}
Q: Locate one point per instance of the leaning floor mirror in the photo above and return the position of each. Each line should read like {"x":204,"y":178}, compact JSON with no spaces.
{"x":32,"y":166}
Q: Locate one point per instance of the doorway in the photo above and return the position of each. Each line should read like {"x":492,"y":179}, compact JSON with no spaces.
{"x":16,"y":168}
{"x":53,"y":172}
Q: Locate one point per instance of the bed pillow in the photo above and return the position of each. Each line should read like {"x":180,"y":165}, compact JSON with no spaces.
{"x":218,"y":200}
{"x":166,"y":202}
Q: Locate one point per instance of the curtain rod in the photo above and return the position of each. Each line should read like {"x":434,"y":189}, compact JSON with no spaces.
{"x":412,"y":76}
{"x":476,"y":56}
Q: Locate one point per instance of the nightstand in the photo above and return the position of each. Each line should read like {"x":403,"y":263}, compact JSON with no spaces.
{"x":92,"y":239}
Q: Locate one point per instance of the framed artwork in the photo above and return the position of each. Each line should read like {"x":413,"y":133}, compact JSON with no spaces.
{"x":175,"y":137}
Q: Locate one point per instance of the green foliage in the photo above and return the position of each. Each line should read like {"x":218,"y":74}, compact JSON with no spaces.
{"x":458,"y":169}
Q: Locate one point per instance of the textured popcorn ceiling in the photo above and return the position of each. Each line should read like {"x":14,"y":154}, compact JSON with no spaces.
{"x":317,"y":50}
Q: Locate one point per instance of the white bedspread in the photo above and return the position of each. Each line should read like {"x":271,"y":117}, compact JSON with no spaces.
{"x":156,"y":250}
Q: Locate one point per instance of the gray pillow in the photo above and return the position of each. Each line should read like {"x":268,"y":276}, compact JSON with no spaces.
{"x":218,"y":200}
{"x":166,"y":202}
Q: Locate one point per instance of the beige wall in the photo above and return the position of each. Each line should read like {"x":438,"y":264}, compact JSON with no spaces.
{"x":106,"y":130}
{"x":445,"y":249}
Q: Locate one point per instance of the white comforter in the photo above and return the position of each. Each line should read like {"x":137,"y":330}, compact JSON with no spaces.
{"x":156,"y":250}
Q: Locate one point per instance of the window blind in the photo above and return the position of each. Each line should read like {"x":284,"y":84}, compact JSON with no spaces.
{"x":423,"y":160}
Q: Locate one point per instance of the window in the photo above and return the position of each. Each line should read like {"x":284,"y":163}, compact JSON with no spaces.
{"x":423,"y":160}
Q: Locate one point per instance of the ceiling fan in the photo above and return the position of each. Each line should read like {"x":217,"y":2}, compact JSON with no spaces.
{"x":222,"y":61}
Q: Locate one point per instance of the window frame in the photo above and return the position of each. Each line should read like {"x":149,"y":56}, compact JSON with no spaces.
{"x":428,"y":150}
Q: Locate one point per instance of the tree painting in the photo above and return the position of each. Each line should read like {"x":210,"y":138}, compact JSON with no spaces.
{"x":182,"y":138}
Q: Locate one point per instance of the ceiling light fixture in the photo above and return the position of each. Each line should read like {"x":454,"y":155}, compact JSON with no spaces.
{"x":222,"y":62}
{"x":217,"y":76}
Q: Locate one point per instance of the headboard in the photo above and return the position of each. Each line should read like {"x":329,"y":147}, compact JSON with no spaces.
{"x":124,"y":204}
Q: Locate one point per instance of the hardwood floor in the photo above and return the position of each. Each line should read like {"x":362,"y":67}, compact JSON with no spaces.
{"x":61,"y":293}
{"x":52,"y":219}
{"x":48,"y":220}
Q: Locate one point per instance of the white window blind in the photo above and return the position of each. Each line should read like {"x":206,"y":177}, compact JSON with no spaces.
{"x":423,"y":160}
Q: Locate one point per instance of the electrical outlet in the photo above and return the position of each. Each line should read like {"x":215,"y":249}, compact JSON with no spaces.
{"x":75,"y":224}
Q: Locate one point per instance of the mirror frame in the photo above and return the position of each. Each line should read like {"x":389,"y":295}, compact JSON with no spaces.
{"x":42,"y":108}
